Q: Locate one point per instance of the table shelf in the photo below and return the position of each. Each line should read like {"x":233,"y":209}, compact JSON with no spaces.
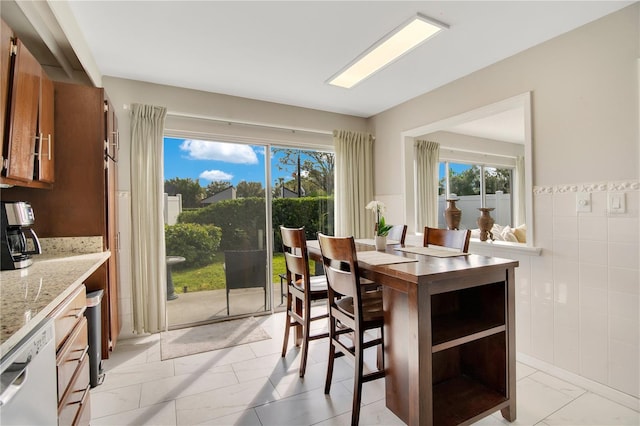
{"x":462,"y":398}
{"x":453,"y":330}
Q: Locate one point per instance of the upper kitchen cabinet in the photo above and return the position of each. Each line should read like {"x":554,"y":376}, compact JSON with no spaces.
{"x":27,"y":117}
{"x":6,"y":37}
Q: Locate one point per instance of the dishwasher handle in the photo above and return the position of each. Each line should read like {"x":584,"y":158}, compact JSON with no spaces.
{"x":12,"y":379}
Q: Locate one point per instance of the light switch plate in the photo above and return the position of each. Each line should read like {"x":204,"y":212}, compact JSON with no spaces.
{"x":583,"y":202}
{"x":617,"y":202}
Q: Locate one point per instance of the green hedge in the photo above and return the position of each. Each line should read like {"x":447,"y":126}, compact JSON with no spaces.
{"x":195,"y":242}
{"x":240,"y":219}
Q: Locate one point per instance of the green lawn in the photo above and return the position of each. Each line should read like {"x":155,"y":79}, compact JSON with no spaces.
{"x":211,"y":277}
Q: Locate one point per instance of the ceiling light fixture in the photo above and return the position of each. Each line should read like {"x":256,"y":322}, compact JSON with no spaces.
{"x":395,"y":44}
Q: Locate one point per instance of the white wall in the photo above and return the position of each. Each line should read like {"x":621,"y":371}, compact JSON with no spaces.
{"x":578,"y":302}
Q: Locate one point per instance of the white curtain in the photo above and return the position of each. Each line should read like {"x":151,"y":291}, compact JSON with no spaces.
{"x":147,"y":219}
{"x":354,"y":183}
{"x":427,"y":155}
{"x":519,"y":209}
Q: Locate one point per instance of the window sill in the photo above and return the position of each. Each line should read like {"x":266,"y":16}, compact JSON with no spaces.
{"x":501,"y":248}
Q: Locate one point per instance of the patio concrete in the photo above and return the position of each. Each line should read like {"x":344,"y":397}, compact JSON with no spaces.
{"x":207,"y":306}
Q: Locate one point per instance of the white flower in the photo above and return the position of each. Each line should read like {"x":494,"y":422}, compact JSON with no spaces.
{"x":377,"y":206}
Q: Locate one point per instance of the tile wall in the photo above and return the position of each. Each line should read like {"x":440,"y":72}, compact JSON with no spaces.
{"x":578,"y":301}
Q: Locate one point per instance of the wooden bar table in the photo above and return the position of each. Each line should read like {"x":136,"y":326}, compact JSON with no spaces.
{"x":449,"y":334}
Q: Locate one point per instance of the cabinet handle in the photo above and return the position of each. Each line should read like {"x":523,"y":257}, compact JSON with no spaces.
{"x":48,"y":146}
{"x":84,"y":351}
{"x":40,"y":138}
{"x":79,"y":313}
{"x":84,"y":397}
{"x":116,"y":139}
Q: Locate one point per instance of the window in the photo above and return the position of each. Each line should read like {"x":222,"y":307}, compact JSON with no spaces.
{"x":475,"y":186}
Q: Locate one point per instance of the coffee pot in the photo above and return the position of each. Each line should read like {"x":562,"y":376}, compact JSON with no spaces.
{"x":16,"y":217}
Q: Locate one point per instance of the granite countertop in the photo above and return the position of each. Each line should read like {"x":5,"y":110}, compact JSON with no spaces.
{"x":29,"y":295}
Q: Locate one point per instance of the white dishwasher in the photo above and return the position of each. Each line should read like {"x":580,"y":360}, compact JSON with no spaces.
{"x":28,"y":389}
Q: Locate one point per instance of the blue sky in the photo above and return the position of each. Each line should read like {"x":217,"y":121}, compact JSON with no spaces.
{"x":211,"y":161}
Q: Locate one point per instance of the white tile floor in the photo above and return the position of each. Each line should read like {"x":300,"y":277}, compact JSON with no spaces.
{"x":252,"y":385}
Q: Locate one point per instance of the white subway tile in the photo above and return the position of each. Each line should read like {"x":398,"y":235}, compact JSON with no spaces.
{"x":565,"y":228}
{"x":593,"y":299}
{"x":623,"y":304}
{"x":592,"y":228}
{"x":566,"y":351}
{"x":624,"y":368}
{"x":594,"y":252}
{"x":624,"y":255}
{"x":594,"y":276}
{"x":624,"y":280}
{"x":623,"y":229}
{"x":624,"y":329}
{"x":564,"y":204}
{"x":565,"y":251}
{"x":594,"y":353}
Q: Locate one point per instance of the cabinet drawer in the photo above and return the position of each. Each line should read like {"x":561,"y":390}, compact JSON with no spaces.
{"x":75,"y":406}
{"x":71,"y":356}
{"x":68,"y":314}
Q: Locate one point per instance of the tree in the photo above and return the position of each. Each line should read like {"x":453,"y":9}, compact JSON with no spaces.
{"x":468,"y":182}
{"x":192,"y":192}
{"x":316,"y":170}
{"x":465,"y":183}
{"x":497,"y":180}
{"x":216,"y":186}
{"x":246,"y":189}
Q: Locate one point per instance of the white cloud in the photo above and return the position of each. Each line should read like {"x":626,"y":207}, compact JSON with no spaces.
{"x":213,"y":175}
{"x":219,"y":151}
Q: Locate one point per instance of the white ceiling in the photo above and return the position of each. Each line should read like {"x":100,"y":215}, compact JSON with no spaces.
{"x":285,"y":51}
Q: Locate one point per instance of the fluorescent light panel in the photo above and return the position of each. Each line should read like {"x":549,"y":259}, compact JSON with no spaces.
{"x":397,"y":43}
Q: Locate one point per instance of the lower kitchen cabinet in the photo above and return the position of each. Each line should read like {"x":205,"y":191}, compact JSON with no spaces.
{"x":72,"y":360}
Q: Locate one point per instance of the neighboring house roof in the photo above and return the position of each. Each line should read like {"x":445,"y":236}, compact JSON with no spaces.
{"x":227,"y":194}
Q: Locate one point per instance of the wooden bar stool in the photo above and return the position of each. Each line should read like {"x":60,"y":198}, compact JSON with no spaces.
{"x":352,"y":311}
{"x":302,"y":289}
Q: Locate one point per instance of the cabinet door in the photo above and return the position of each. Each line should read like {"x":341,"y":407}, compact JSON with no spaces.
{"x":25,"y":95}
{"x":112,"y":137}
{"x":111,"y":181}
{"x":6,"y":39}
{"x":45,"y":126}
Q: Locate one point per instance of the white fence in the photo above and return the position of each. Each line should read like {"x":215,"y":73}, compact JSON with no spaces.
{"x":172,"y":208}
{"x":469,"y":205}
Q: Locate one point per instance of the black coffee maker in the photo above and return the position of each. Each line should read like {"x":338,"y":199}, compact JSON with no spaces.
{"x":15,"y":219}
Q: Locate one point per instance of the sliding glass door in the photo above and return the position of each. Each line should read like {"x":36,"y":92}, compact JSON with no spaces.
{"x":224,"y":205}
{"x":302,"y":196}
{"x":216,"y":230}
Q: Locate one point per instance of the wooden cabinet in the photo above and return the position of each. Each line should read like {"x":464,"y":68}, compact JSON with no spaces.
{"x":72,"y":360}
{"x":6,"y":38}
{"x":27,"y":115}
{"x":449,"y":337}
{"x":45,"y":160}
{"x":82,"y":201}
{"x":469,"y":356}
{"x":112,"y":138}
